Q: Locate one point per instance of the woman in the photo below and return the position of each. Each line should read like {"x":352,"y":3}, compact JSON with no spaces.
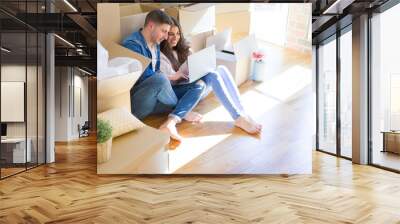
{"x":174,"y":53}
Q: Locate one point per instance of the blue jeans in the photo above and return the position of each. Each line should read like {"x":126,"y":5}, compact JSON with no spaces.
{"x":225,"y":90}
{"x":155,"y":95}
{"x":189,"y":96}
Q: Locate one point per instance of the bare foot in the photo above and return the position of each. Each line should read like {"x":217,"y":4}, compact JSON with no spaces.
{"x":248,"y":125}
{"x":169,"y":127}
{"x":193,"y":117}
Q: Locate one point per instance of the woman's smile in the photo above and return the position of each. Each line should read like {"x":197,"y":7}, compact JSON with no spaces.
{"x":174,"y":36}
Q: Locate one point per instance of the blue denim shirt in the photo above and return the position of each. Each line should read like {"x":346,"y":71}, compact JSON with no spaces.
{"x":137,"y":43}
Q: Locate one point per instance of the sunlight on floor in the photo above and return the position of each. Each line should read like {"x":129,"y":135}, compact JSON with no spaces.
{"x":220,"y":124}
{"x":218,"y":114}
{"x":191,"y":148}
{"x":257,"y":102}
{"x":287,"y":84}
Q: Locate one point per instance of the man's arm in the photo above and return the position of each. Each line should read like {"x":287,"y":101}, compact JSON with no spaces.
{"x":136,"y":47}
{"x":133,"y":46}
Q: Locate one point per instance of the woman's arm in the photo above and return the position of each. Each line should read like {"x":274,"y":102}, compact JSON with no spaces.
{"x":167,"y":69}
{"x":165,"y":66}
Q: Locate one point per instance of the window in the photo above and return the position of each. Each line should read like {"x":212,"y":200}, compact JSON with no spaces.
{"x":346,"y":94}
{"x":395,"y":102}
{"x":22,"y":68}
{"x":385,"y":87}
{"x":270,"y":18}
{"x":327,"y":97}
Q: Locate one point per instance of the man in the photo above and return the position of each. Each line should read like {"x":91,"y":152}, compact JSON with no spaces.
{"x":153,"y":92}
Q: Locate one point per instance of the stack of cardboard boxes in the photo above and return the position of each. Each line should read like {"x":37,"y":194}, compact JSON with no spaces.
{"x":142,"y":150}
{"x":139,"y":152}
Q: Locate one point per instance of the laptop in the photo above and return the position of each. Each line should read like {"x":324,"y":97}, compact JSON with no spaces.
{"x":199,"y":64}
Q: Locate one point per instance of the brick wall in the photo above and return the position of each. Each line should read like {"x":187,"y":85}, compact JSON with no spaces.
{"x":298,"y":27}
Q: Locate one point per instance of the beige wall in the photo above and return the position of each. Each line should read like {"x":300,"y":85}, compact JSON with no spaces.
{"x":17,"y":73}
{"x":34,"y":126}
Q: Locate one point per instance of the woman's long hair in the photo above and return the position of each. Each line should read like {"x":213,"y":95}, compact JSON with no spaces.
{"x":181,"y":48}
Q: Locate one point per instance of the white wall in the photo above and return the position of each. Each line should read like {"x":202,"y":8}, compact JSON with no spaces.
{"x":80,"y":83}
{"x":69,"y":84}
{"x":34,"y":124}
{"x":62,"y":81}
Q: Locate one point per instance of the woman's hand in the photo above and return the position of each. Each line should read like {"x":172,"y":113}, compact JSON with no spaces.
{"x":178,"y":75}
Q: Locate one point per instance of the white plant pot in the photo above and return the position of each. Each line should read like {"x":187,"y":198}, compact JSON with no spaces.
{"x":258,"y":71}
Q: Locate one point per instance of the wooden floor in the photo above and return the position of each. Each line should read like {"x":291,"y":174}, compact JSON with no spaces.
{"x":11,"y":170}
{"x":8,"y":171}
{"x":70,"y":191}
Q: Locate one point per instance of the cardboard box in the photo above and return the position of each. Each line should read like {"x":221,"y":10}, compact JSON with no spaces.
{"x":198,"y":42}
{"x":127,"y":9}
{"x":226,"y":13}
{"x":195,"y":20}
{"x":109,"y":35}
{"x":199,"y":18}
{"x":132,"y":16}
{"x":131,"y":23}
{"x":141,"y":151}
{"x":239,"y":68}
{"x":238,"y":63}
{"x":173,"y":11}
{"x":229,"y":7}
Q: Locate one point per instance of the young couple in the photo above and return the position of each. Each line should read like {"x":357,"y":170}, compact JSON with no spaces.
{"x":157,"y":91}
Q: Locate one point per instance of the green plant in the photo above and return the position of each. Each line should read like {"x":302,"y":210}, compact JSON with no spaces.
{"x":104,"y":131}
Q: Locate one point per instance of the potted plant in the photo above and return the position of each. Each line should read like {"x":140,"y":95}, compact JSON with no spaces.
{"x":104,"y":140}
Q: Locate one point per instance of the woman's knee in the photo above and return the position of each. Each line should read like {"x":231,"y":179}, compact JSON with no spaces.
{"x":199,"y":85}
{"x":211,"y":76}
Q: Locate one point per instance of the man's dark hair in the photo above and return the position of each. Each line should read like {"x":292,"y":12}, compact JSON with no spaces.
{"x":158,"y":16}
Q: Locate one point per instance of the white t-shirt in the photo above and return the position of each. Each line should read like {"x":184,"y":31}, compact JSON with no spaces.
{"x":166,"y":66}
{"x":153,"y":56}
